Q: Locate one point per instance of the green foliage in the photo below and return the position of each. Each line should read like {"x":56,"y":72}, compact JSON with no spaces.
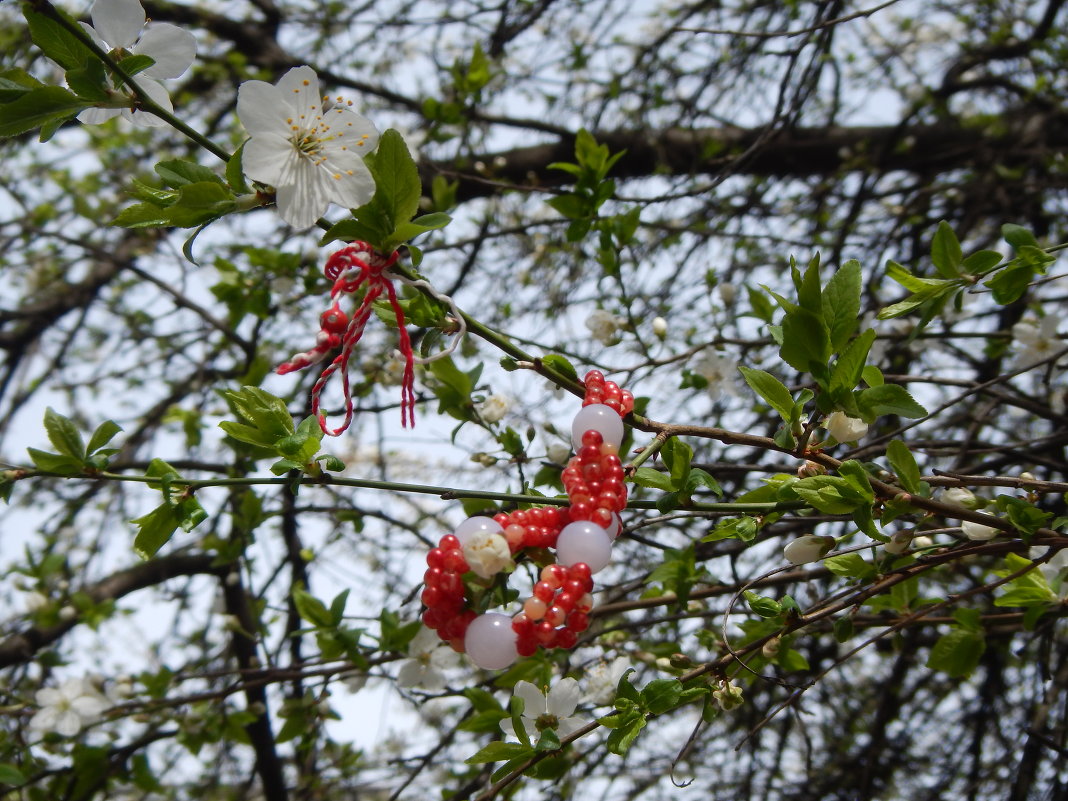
{"x":178,"y":510}
{"x":634,"y":707}
{"x":958,"y":651}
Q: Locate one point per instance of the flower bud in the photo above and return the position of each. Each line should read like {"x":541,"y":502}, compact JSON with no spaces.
{"x":494,"y":408}
{"x":899,"y":543}
{"x":770,"y":649}
{"x":810,"y":468}
{"x":922,"y":542}
{"x":727,"y":293}
{"x":977,"y":531}
{"x":807,"y":549}
{"x":728,"y":696}
{"x":660,"y":327}
{"x":845,"y":428}
{"x":960,"y":496}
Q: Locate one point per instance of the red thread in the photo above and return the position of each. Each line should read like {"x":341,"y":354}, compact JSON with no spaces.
{"x":350,"y":268}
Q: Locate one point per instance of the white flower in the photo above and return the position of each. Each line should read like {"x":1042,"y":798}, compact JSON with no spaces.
{"x":719,"y":370}
{"x":354,"y":682}
{"x":68,"y":709}
{"x":36,"y":601}
{"x":430,"y":657}
{"x":493,"y":408}
{"x":845,"y":428}
{"x":660,"y":327}
{"x":727,"y":292}
{"x":487,"y":553}
{"x":119,"y":25}
{"x":604,"y":326}
{"x":899,"y":543}
{"x":1037,"y":341}
{"x":558,"y":452}
{"x":807,"y":549}
{"x":603,"y":678}
{"x":977,"y":531}
{"x":553,"y":710}
{"x":311,"y":157}
{"x":960,"y":496}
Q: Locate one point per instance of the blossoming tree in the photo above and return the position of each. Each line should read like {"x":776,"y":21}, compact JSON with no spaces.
{"x":543,"y":398}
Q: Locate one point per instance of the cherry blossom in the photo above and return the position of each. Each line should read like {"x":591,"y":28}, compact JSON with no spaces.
{"x":309,"y":150}
{"x":719,"y":370}
{"x":845,"y":428}
{"x":807,"y":549}
{"x":552,"y":710}
{"x":1036,"y":341}
{"x":119,"y":27}
{"x":68,"y":709}
{"x":428,"y":663}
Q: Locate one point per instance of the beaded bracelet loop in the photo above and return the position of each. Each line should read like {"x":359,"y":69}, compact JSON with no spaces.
{"x":464,"y":569}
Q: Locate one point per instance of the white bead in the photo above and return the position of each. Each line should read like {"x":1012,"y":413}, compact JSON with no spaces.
{"x":473,"y":525}
{"x":597,"y":417}
{"x":583,"y":541}
{"x":616,"y":528}
{"x":490,"y":641}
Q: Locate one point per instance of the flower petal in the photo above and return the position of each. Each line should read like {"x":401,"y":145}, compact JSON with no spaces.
{"x":266,"y":159}
{"x":262,"y":109}
{"x":118,"y":21}
{"x":172,"y":48}
{"x":95,"y":116}
{"x":533,"y":699}
{"x":506,"y":726}
{"x":563,"y":698}
{"x":411,"y":673}
{"x":300,"y":87}
{"x":566,"y":726}
{"x":349,"y":182}
{"x":302,"y":195}
{"x":68,"y":723}
{"x":155,"y":90}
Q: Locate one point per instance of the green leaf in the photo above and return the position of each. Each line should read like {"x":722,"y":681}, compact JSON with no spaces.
{"x":957,"y":652}
{"x":156,"y":528}
{"x":200,"y":202}
{"x":89,"y":81}
{"x":851,"y":565}
{"x":945,"y":251}
{"x":397,"y":184}
{"x":741,"y":528}
{"x":312,"y":609}
{"x":136,"y":62}
{"x":560,"y":364}
{"x":262,"y":410}
{"x":805,"y":340}
{"x":771,"y":389}
{"x":829,"y":494}
{"x":1008,"y":285}
{"x":888,"y":399}
{"x":661,"y":695}
{"x":39,"y":107}
{"x":904,"y":464}
{"x":58,"y":43}
{"x":179,"y":172}
{"x":849,"y":367}
{"x":142,"y":215}
{"x":677,"y":456}
{"x":762,"y":605}
{"x":54,"y":463}
{"x":15,"y":82}
{"x":499,"y":751}
{"x":103,"y":435}
{"x":1018,"y":236}
{"x":11,"y":775}
{"x":235,"y":173}
{"x":625,"y":732}
{"x":841,"y":304}
{"x":64,"y":435}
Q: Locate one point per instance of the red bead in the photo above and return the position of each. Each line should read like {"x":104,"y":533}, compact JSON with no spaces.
{"x":455,"y":562}
{"x":614,"y":404}
{"x":503,"y":519}
{"x":592,"y":437}
{"x":595,"y":395}
{"x":566,"y":638}
{"x":448,"y":542}
{"x":580,"y":571}
{"x":574,"y":586}
{"x":580,"y":498}
{"x":594,"y":378}
{"x":431,"y":596}
{"x":555,"y":615}
{"x":432,"y":577}
{"x":334,"y":320}
{"x":578,"y":621}
{"x":522,"y":625}
{"x":602,"y":517}
{"x":435,"y":557}
{"x":585,"y":603}
{"x":452,"y":586}
{"x":526,"y":646}
{"x":588,"y":453}
{"x":566,"y":600}
{"x":611,"y":390}
{"x":627,"y":399}
{"x":581,"y":511}
{"x":545,"y":633}
{"x":433,"y":618}
{"x":544,"y":592}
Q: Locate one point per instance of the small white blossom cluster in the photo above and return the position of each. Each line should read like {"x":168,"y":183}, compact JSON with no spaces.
{"x":68,"y":709}
{"x":494,"y":408}
{"x":604,"y":326}
{"x":719,"y":370}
